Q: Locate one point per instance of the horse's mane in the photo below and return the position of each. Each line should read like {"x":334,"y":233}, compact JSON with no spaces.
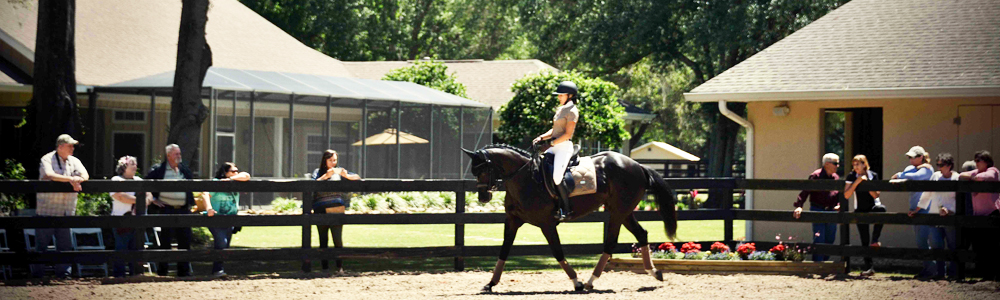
{"x":517,"y":150}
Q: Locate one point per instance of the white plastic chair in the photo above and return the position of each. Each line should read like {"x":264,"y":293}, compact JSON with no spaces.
{"x":73,"y":232}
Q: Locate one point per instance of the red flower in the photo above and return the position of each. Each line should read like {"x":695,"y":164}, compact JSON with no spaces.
{"x":719,"y":247}
{"x":778,"y":249}
{"x":667,"y":247}
{"x":746,"y":249}
{"x":691,"y":247}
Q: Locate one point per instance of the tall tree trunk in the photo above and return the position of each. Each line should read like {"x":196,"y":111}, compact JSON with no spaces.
{"x":194,"y":56}
{"x":53,"y":108}
{"x":722,"y":150}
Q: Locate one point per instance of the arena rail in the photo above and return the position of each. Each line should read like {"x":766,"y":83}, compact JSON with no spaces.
{"x":459,"y":218}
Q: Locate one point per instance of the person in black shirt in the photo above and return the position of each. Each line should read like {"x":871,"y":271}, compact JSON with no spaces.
{"x":865,"y":202}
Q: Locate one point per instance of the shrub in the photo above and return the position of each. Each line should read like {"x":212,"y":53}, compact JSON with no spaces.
{"x":286,"y":205}
{"x":93,"y":204}
{"x":719,"y":247}
{"x":723,"y":256}
{"x":745,"y":249}
{"x":690,"y":247}
{"x":761,"y":255}
{"x":529,"y":113}
{"x":12,"y":170}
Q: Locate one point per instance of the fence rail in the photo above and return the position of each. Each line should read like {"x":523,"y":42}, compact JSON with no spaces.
{"x":306,"y":253}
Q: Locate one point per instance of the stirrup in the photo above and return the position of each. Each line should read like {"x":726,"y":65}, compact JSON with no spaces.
{"x":561,"y":215}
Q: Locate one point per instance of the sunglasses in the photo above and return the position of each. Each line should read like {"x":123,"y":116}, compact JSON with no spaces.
{"x":234,"y":170}
{"x":835,"y":163}
{"x":978,"y":160}
{"x":942,"y":165}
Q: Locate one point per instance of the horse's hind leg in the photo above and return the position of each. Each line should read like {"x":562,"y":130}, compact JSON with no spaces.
{"x":552,"y":236}
{"x":632,"y":224}
{"x":509,"y":232}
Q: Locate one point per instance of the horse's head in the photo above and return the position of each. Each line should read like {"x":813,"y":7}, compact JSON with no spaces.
{"x":488,"y":174}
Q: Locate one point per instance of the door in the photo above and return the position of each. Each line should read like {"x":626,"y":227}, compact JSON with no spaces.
{"x":978,"y":129}
{"x":129,"y":143}
{"x":226,"y":147}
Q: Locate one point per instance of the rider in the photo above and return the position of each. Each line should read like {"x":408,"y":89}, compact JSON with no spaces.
{"x":563,"y":126}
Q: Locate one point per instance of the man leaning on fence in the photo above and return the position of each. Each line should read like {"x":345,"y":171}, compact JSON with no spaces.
{"x":173,"y":203}
{"x":59,"y":165}
{"x":823,"y":233}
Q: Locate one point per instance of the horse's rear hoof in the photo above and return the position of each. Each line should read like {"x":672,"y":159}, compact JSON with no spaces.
{"x":589,"y":287}
{"x":578,"y":286}
{"x":487,"y":289}
{"x":659,"y":275}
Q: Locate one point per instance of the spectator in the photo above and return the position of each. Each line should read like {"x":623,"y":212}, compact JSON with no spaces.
{"x":919,"y":169}
{"x":984,"y":240}
{"x":823,"y":233}
{"x":865,"y":202}
{"x":59,"y":165}
{"x":942,"y":203}
{"x":173,"y":203}
{"x":226,"y":204}
{"x":331,"y":202}
{"x":123,"y":204}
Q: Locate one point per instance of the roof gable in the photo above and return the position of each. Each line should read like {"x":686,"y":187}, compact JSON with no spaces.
{"x":488,"y":82}
{"x":121,"y":40}
{"x":873,"y":45}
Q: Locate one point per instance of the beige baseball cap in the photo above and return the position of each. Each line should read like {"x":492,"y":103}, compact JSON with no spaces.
{"x":66,"y":139}
{"x":916,"y":151}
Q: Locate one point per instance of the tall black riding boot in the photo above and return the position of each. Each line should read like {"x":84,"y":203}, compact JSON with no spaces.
{"x":565,"y":209}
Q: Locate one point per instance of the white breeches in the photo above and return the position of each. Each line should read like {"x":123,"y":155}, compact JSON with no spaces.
{"x":562,"y":152}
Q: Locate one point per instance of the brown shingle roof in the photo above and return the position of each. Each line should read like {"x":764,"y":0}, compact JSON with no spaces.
{"x":873,"y":45}
{"x":122,"y":40}
{"x":485,"y":81}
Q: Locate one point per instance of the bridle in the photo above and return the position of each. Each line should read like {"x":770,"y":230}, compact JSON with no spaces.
{"x":494,"y":173}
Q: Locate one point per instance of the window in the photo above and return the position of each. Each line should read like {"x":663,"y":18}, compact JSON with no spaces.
{"x":130,"y":116}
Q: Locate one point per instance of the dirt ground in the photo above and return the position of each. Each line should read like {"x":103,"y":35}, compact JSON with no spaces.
{"x":514,"y":285}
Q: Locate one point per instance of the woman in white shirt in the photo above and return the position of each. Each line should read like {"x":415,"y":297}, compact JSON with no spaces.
{"x":942,"y":203}
{"x":124,"y":204}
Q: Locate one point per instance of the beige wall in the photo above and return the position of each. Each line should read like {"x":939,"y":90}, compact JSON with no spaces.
{"x":789,"y":147}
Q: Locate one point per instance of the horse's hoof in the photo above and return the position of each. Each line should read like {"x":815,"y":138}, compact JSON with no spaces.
{"x":578,"y":286}
{"x":589,"y":287}
{"x":487,"y":289}
{"x":659,"y":275}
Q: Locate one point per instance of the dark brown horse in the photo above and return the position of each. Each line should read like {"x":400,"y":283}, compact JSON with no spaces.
{"x":527,"y":201}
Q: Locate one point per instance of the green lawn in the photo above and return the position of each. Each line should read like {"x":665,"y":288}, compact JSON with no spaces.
{"x":443,"y":235}
{"x":475,"y":234}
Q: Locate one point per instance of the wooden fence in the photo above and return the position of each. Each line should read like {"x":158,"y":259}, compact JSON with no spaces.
{"x":306,"y":253}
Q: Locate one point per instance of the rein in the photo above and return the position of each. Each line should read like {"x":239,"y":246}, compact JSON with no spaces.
{"x":496,"y":176}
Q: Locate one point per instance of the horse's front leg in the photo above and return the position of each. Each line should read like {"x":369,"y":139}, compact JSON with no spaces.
{"x":610,"y":241}
{"x":552,"y":236}
{"x":509,"y":232}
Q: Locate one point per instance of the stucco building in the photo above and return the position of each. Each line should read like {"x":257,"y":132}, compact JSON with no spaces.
{"x":872,"y":77}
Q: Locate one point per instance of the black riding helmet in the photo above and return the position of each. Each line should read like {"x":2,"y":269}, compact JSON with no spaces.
{"x":567,"y":87}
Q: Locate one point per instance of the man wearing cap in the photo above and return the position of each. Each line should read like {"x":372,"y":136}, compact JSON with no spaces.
{"x":59,"y":165}
{"x":919,"y":169}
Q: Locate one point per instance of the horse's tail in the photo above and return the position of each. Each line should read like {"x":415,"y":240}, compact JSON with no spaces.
{"x":665,"y":199}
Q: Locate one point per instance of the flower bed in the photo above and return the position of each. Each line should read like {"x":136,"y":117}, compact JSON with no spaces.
{"x":781,"y":259}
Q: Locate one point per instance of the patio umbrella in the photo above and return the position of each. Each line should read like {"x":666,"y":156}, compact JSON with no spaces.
{"x":388,"y":137}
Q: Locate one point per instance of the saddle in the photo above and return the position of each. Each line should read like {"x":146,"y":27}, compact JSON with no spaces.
{"x":581,"y":175}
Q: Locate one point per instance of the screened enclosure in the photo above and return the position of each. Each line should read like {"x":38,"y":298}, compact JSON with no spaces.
{"x":277,"y":125}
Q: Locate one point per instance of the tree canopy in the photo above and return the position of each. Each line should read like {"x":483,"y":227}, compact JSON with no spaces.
{"x":429,"y":73}
{"x":531,"y":110}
